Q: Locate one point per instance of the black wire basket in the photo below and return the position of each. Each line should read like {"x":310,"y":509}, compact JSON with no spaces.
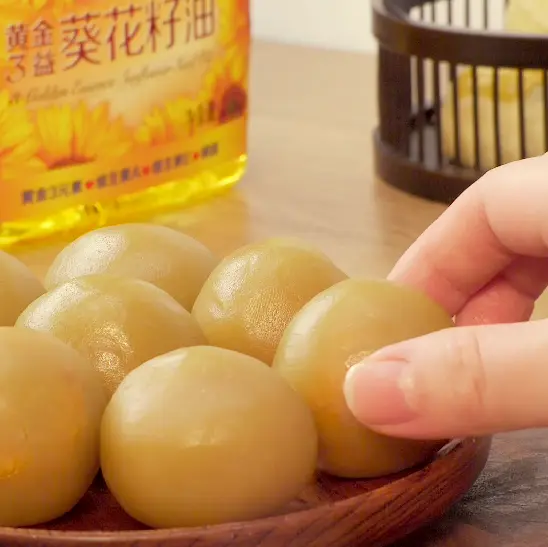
{"x":458,"y":94}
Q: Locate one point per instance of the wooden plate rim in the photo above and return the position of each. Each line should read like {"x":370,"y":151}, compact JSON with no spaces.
{"x":454,"y":451}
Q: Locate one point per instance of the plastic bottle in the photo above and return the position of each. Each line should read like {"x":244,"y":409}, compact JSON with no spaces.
{"x":114,"y":108}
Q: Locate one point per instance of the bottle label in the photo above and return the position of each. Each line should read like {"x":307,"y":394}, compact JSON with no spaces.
{"x":103,"y":98}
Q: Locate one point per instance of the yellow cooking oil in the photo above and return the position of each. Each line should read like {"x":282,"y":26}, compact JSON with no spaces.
{"x":112,"y":109}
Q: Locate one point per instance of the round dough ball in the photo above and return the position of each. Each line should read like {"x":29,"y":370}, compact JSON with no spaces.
{"x":169,"y":259}
{"x":509,"y":131}
{"x":52,"y":402}
{"x":333,"y":332}
{"x":251,"y":297}
{"x":18,"y":288}
{"x":117,"y":323}
{"x":205,"y":436}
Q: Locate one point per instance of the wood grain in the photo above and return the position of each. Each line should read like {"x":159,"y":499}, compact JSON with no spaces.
{"x":311,"y":176}
{"x":331,"y":512}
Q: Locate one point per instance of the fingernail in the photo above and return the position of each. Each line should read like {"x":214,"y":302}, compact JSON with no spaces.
{"x":375,"y":392}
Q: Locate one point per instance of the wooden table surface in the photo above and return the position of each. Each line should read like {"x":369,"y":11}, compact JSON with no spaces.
{"x":311,"y":176}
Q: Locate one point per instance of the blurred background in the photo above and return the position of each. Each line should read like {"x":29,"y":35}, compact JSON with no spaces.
{"x":334,"y":24}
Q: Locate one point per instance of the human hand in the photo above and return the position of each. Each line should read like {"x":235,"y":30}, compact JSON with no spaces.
{"x":486,"y":261}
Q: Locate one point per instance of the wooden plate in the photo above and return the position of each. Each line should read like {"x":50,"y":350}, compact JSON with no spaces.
{"x":333,"y":513}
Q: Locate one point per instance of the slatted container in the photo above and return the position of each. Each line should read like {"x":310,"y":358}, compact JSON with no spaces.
{"x":457,"y":95}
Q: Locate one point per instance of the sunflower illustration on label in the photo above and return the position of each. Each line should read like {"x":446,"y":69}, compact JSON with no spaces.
{"x":113,"y":106}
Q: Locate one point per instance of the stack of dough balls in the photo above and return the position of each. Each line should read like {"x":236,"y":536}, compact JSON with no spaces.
{"x":522,"y":16}
{"x":206,"y":391}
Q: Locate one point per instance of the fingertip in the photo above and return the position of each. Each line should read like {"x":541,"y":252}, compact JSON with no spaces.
{"x":374,"y":394}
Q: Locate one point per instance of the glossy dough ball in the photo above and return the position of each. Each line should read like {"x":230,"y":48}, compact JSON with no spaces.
{"x":117,"y":323}
{"x":52,"y":402}
{"x":18,"y":288}
{"x":204,"y":436}
{"x":336,"y":330}
{"x":250,"y":298}
{"x":169,"y":259}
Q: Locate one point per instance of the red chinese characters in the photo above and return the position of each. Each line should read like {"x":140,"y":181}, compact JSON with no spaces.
{"x":153,"y":25}
{"x":43,"y":44}
{"x":203,"y":18}
{"x":30,"y":49}
{"x":81,"y":40}
{"x":92,"y":38}
{"x":172,"y":21}
{"x":17,"y":38}
{"x":125,"y":31}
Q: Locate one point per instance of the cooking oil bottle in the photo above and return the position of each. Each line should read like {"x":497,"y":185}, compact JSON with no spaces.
{"x":110,"y":109}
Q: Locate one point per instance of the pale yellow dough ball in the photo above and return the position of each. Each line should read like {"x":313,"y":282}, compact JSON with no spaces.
{"x":51,"y":404}
{"x":116,"y":323}
{"x":167,"y":258}
{"x":333,"y":332}
{"x":206,"y":436}
{"x":253,"y":294}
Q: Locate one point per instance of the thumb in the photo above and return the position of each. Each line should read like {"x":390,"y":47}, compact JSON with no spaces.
{"x":457,"y":382}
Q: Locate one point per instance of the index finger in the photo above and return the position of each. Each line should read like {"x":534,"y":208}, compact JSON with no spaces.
{"x":504,"y":215}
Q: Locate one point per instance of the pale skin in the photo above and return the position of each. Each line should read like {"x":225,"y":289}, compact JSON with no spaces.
{"x":485,"y":260}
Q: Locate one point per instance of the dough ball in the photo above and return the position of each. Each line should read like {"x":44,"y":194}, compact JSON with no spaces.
{"x":335,"y":331}
{"x":169,"y":259}
{"x":249,"y":299}
{"x":51,"y":404}
{"x":116,"y":323}
{"x":205,"y":436}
